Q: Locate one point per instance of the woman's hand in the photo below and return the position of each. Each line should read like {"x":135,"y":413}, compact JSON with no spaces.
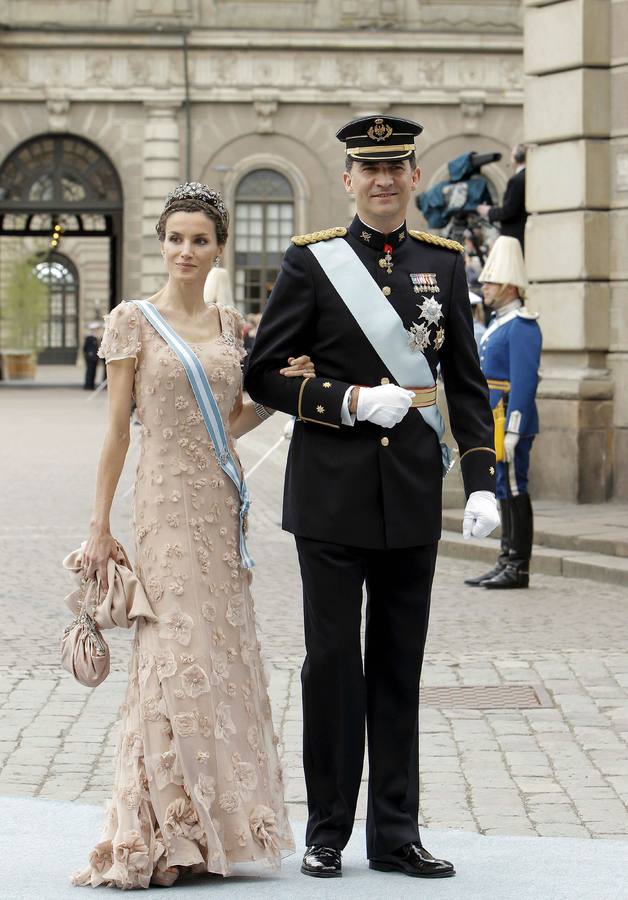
{"x":98,"y":550}
{"x":299,"y":366}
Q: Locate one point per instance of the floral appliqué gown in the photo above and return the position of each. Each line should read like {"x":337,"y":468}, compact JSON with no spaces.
{"x":197,"y":776}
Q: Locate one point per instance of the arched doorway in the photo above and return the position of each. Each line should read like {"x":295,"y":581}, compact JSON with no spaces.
{"x":61,"y":184}
{"x":60,"y":332}
{"x":264,"y":224}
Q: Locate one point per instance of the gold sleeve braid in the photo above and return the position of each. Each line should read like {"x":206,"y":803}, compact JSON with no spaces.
{"x":302,"y":240}
{"x":436,"y":239}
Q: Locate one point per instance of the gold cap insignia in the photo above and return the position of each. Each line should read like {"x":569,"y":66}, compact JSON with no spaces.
{"x":379,"y":131}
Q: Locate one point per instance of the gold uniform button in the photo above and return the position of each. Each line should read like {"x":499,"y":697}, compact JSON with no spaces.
{"x":386,"y":291}
{"x":384,"y":442}
{"x":384,"y":380}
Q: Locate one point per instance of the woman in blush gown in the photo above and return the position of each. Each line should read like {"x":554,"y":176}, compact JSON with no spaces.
{"x":198,"y":784}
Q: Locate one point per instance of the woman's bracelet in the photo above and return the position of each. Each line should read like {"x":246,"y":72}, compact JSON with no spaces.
{"x":262,"y":412}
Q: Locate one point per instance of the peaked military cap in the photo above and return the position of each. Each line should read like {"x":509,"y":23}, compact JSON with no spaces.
{"x":379,"y":137}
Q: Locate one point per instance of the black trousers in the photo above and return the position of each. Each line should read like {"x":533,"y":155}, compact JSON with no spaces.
{"x":341,"y":695}
{"x":91,"y":366}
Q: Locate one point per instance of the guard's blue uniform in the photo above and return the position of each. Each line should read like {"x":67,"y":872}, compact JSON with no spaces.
{"x":510,"y":355}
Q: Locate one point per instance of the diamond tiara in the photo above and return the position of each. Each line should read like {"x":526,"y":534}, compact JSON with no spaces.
{"x":194,"y":190}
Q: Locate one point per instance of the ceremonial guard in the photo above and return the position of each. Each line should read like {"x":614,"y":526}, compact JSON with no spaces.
{"x":377,"y":307}
{"x":510,"y":355}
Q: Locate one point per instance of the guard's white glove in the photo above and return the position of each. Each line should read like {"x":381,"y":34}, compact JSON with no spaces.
{"x":288,"y":428}
{"x":384,"y":405}
{"x":481,"y":515}
{"x":510,"y":442}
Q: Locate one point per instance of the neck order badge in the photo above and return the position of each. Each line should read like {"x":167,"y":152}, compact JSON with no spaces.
{"x":209,"y":410}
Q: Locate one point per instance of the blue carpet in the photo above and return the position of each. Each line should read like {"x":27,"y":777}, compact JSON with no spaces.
{"x":42,"y":842}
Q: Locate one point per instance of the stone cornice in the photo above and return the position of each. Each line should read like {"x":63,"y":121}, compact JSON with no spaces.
{"x":316,"y":40}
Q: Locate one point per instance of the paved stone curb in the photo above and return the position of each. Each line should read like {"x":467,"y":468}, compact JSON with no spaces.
{"x":566,"y":563}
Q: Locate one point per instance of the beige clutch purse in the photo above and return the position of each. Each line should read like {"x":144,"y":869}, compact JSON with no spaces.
{"x":84,"y":651}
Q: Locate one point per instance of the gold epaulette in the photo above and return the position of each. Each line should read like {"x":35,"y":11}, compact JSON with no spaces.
{"x":302,"y":240}
{"x":437,"y":239}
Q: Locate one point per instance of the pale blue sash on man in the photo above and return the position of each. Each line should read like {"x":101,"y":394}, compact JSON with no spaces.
{"x":209,"y":410}
{"x":381,"y":325}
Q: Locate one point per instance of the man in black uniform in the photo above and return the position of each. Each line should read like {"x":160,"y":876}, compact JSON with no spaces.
{"x":512,"y":214}
{"x":377,"y":307}
{"x":90,"y":355}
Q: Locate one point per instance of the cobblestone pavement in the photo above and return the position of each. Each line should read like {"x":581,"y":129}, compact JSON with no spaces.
{"x":560,"y":769}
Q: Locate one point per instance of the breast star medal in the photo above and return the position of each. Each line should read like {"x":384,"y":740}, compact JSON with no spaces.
{"x":424,"y":282}
{"x":387,"y":261}
{"x":431,"y":310}
{"x":419,"y":337}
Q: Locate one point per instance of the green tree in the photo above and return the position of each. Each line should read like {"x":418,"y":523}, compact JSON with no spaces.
{"x":25,"y":304}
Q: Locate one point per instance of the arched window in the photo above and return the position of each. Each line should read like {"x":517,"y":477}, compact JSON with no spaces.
{"x":60,"y":332}
{"x":264,"y":224}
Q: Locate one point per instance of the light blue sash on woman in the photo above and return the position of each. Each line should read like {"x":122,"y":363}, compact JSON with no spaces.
{"x":381,"y":326}
{"x":209,"y":410}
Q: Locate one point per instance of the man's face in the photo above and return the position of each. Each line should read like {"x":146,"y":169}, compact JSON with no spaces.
{"x":490,"y":292}
{"x":382,"y":189}
{"x":498,"y":295}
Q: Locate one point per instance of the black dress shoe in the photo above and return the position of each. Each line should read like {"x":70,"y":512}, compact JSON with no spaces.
{"x":513,"y":576}
{"x":415,"y":860}
{"x":322,"y":862}
{"x":479,"y":579}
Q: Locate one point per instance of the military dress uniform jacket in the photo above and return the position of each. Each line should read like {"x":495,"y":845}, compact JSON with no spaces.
{"x":510,"y":356}
{"x":363,"y":485}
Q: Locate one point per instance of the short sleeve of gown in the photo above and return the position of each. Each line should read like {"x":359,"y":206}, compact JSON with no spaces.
{"x":235,"y":326}
{"x":121,"y":339}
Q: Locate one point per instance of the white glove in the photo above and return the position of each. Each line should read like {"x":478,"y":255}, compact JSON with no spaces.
{"x":510,"y":442}
{"x":384,"y":405}
{"x":481,"y":515}
{"x":288,"y":428}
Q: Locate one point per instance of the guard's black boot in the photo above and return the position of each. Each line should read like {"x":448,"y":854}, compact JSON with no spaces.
{"x":517,"y":572}
{"x":504,"y":549}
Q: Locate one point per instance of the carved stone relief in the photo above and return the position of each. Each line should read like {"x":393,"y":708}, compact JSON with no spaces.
{"x":382,"y":14}
{"x":163,"y":8}
{"x":153,"y":69}
{"x":265,"y":110}
{"x":58,"y":109}
{"x":472,"y":107}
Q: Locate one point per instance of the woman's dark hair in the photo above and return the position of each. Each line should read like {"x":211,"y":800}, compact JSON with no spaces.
{"x":194,"y":205}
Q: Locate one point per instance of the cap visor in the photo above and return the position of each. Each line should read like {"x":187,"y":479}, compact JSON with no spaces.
{"x":366,"y":156}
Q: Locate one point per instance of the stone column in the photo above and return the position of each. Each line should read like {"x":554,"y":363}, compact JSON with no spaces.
{"x":162,"y":172}
{"x":618,"y":230}
{"x":568,"y":122}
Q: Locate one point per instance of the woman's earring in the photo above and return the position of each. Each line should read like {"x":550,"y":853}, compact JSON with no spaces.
{"x":217,"y":262}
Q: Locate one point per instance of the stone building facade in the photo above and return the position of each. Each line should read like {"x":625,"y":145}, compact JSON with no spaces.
{"x":247,"y":95}
{"x":576,"y":118}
